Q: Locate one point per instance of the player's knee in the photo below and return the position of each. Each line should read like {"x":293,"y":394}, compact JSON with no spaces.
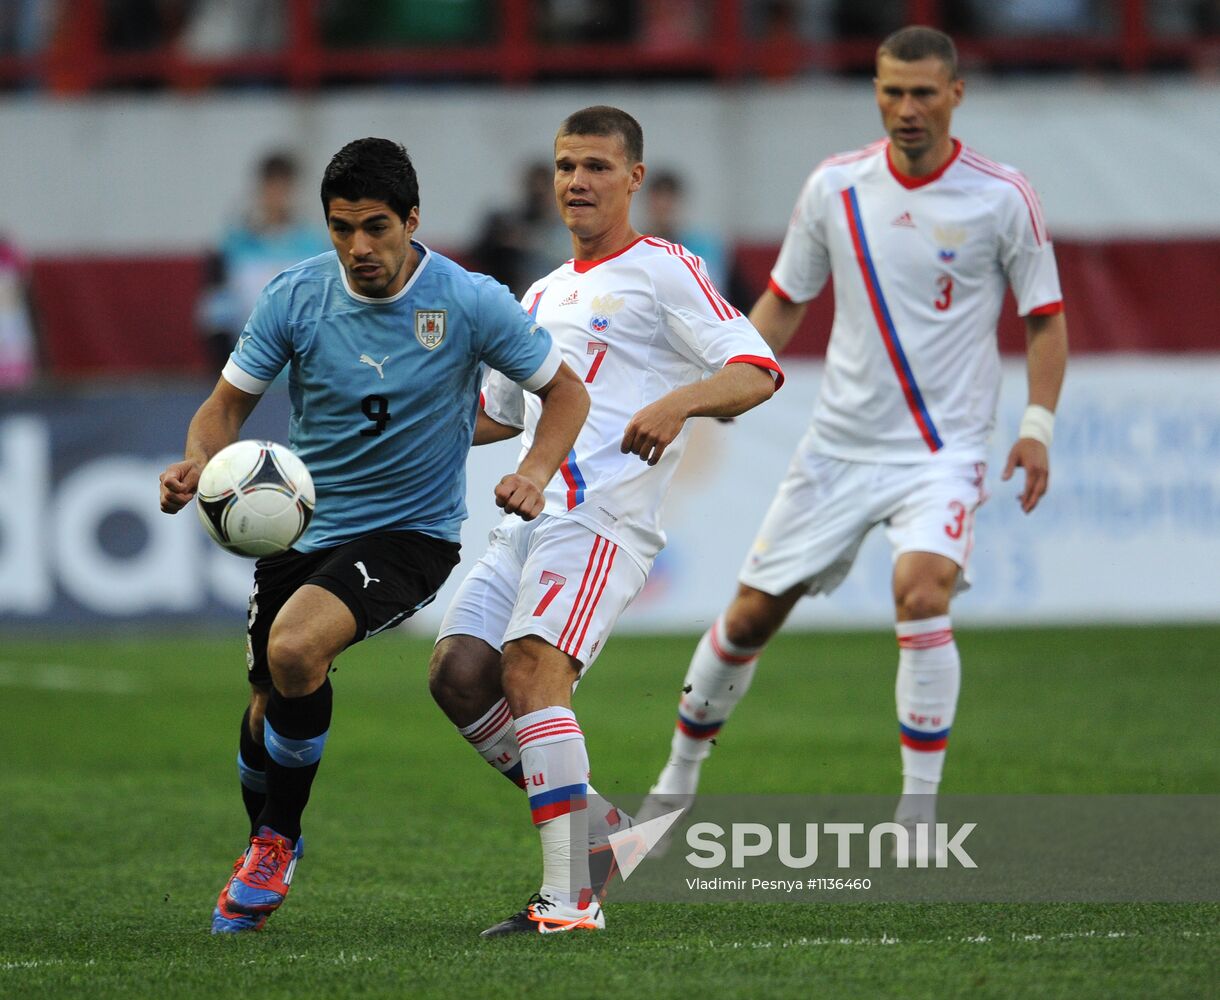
{"x":518,"y":671}
{"x":922,"y":600}
{"x":750,"y":622}
{"x":296,"y":666}
{"x":464,"y":678}
{"x":450,"y":677}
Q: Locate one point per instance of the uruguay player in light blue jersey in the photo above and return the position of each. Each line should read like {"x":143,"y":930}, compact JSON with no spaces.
{"x":384,"y":341}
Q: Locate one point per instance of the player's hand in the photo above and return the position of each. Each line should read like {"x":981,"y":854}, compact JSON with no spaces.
{"x":652,"y":430}
{"x":178,"y":485}
{"x":521,"y":496}
{"x":1031,"y":456}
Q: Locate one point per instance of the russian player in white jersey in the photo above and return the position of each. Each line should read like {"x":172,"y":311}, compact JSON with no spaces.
{"x":921,"y":235}
{"x":656,"y":344}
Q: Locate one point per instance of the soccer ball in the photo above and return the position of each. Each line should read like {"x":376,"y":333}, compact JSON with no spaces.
{"x":255,"y":498}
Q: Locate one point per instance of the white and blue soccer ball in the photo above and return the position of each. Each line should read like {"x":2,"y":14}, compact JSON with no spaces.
{"x":255,"y":498}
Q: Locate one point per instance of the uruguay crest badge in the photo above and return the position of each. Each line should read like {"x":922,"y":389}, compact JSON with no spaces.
{"x":430,"y":327}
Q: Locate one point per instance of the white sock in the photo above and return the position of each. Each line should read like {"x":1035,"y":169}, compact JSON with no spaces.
{"x":494,"y":739}
{"x":929,"y":678}
{"x":556,"y":768}
{"x":719,"y":675}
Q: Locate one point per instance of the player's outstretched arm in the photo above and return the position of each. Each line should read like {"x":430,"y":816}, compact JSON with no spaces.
{"x":777,"y":319}
{"x":216,"y":424}
{"x":565,"y":404}
{"x":1046,"y":362}
{"x":732,"y":390}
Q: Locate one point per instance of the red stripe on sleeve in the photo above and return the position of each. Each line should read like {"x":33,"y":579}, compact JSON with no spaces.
{"x":764,"y":363}
{"x":773,"y":287}
{"x":1050,"y":309}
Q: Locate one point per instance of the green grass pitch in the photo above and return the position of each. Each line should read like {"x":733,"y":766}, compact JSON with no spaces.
{"x":120,"y":815}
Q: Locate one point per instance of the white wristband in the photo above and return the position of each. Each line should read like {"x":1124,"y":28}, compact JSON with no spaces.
{"x":1038,"y":423}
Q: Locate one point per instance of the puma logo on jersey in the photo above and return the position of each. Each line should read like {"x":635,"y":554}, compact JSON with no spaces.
{"x":241,"y":341}
{"x":904,"y":220}
{"x":366,"y":360}
{"x":367,"y":579}
{"x":571,"y":298}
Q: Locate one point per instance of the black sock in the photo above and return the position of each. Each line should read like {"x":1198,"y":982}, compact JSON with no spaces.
{"x":294,"y":733}
{"x":251,"y":768}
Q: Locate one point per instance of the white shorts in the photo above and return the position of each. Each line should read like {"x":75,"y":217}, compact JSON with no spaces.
{"x":549,"y":577}
{"x":825,"y":507}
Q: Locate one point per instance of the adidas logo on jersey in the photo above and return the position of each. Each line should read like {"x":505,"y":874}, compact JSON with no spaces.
{"x":572,"y":298}
{"x":904,"y":220}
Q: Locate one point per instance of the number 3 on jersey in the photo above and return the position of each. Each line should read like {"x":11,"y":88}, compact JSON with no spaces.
{"x":945,"y":283}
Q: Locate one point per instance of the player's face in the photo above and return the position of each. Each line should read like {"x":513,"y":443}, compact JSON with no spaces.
{"x":373,"y":244}
{"x":594,"y":182}
{"x":917,"y":101}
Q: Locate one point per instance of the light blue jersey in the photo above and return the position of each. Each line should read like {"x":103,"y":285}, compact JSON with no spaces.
{"x":384,"y":392}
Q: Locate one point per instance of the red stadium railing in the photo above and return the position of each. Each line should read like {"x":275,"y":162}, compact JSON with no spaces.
{"x":76,"y":60}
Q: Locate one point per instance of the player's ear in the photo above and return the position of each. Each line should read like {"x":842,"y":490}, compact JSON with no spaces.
{"x":412,"y":219}
{"x":637,"y":177}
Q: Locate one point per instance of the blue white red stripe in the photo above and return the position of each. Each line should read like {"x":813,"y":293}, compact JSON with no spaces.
{"x":698,"y":730}
{"x":885,"y":323}
{"x":574,"y":479}
{"x":916,"y":739}
{"x":558,"y":802}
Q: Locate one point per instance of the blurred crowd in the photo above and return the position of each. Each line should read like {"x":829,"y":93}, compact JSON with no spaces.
{"x":217,"y":28}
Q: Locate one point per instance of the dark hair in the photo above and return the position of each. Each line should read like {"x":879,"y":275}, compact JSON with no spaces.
{"x":378,"y":169}
{"x":279,"y":165}
{"x":917,"y":42}
{"x":601,"y":119}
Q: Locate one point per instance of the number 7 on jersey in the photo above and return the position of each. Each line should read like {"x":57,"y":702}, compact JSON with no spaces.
{"x":598,"y":349}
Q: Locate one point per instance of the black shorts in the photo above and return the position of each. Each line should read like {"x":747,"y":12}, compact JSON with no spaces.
{"x":383,"y":578}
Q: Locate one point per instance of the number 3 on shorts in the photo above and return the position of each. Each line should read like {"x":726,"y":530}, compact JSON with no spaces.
{"x":554,"y":583}
{"x":954,"y":528}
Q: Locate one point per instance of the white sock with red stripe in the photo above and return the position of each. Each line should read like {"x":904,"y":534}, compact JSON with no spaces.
{"x":556,"y":767}
{"x":494,"y":739}
{"x":929,"y":678}
{"x":719,"y":675}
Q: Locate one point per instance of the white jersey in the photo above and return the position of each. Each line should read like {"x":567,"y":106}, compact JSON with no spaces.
{"x":634,"y":326}
{"x":920,"y":267}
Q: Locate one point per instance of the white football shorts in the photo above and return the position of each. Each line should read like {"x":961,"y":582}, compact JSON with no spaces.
{"x":550,"y":577}
{"x":825,"y":506}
